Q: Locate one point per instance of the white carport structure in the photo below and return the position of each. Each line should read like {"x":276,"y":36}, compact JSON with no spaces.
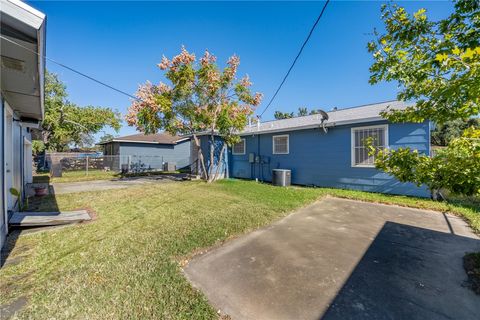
{"x":22,"y":95}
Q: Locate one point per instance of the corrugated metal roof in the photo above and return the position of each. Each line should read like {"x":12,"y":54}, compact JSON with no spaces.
{"x":351,"y":115}
{"x":158,"y":138}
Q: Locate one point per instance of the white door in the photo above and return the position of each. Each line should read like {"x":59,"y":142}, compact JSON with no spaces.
{"x":27,"y":161}
{"x":3,"y":207}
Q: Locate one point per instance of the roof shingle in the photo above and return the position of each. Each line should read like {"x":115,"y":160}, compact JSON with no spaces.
{"x":358,"y":114}
{"x":160,"y":138}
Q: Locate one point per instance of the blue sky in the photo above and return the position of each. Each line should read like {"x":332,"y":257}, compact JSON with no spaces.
{"x":120,"y":43}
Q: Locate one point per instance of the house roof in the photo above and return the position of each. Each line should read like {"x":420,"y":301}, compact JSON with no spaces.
{"x":360,"y":114}
{"x":22,"y":50}
{"x":157,"y":138}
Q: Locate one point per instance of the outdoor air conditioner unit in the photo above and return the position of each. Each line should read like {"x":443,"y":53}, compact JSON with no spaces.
{"x":281,"y":177}
{"x":169,"y":166}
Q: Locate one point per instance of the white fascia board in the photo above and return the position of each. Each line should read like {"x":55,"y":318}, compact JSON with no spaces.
{"x":23,"y":13}
{"x":41,"y":47}
{"x":36,"y":20}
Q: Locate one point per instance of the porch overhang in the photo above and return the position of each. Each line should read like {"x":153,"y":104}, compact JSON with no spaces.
{"x":22,"y":58}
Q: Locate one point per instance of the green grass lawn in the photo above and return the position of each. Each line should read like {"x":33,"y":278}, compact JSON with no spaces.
{"x":127,"y":263}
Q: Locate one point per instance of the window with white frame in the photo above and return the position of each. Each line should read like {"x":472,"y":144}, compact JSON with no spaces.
{"x":239,"y":148}
{"x":360,"y":136}
{"x":280,"y":144}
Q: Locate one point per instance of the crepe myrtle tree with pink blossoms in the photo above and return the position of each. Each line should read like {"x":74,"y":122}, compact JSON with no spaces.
{"x":200,"y":99}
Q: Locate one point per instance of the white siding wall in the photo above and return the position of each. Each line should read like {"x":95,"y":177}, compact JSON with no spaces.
{"x":16,"y":160}
{"x":3,"y":217}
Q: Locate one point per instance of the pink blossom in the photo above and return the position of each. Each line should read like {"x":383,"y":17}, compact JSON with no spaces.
{"x":257,"y":98}
{"x":233,"y":62}
{"x":145,"y":99}
{"x":212,"y":79}
{"x":207,"y":58}
{"x":231,"y":71}
{"x":164,"y":64}
{"x":163,"y":88}
{"x":183,"y":58}
{"x":245,"y":81}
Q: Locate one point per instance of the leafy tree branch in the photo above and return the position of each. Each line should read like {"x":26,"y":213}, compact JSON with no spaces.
{"x":66,"y":124}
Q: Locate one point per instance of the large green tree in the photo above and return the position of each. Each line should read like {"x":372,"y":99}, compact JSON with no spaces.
{"x":302,"y":111}
{"x":437,"y":65}
{"x":444,"y":133}
{"x":66,"y":124}
{"x":279,"y":115}
{"x":202,"y":99}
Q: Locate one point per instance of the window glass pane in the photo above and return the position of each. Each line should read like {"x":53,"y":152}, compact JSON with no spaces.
{"x":357,"y":138}
{"x":239,"y":147}
{"x":280,"y":145}
{"x":361,"y":152}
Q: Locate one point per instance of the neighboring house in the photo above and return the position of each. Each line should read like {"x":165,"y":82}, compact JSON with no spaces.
{"x":22,"y":95}
{"x":336,"y":158}
{"x":149,"y":151}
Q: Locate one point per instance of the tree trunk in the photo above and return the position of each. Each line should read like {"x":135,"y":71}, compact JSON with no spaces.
{"x":200,"y":156}
{"x":212,"y":159}
{"x":215,"y":177}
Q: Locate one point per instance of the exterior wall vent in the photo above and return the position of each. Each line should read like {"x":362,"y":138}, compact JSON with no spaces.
{"x":13,"y":64}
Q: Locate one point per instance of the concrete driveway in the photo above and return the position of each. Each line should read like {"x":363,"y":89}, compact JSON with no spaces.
{"x":342,"y":259}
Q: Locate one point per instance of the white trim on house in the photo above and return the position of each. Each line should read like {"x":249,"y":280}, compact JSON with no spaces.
{"x":244,"y":148}
{"x":23,"y":12}
{"x":352,"y":143}
{"x":281,"y":136}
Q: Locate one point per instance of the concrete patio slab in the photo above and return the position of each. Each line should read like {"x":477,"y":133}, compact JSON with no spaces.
{"x":38,"y":219}
{"x":342,"y":259}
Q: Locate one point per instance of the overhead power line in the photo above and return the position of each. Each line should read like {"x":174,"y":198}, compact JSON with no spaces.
{"x":296,"y":58}
{"x":71,"y":69}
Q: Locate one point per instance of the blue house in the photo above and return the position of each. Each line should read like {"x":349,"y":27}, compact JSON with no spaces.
{"x":148,"y":152}
{"x":329,"y":153}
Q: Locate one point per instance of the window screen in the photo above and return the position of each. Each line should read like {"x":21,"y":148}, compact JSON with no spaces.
{"x":280,"y":144}
{"x":360,"y":136}
{"x":239,"y":148}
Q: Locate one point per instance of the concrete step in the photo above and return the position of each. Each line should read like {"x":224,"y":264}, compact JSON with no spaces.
{"x":38,"y":219}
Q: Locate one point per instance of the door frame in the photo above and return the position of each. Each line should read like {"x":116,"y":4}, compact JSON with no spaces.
{"x":8,"y":168}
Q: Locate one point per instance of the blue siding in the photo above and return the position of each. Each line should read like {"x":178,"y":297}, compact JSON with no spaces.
{"x":205,"y":146}
{"x":324,"y":159}
{"x":152,"y":155}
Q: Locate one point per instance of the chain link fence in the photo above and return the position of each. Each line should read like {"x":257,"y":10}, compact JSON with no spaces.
{"x":90,"y":163}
